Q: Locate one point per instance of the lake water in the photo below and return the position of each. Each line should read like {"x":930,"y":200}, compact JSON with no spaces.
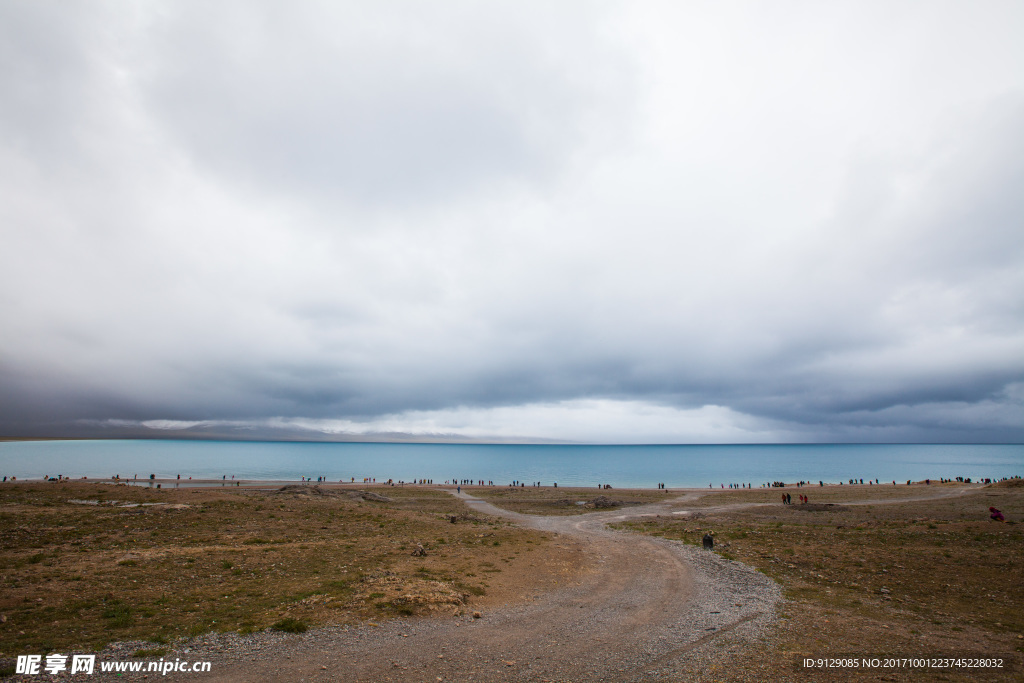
{"x":569,"y":465}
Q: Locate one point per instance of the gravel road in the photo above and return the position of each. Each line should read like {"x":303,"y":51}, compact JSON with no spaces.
{"x":648,"y":610}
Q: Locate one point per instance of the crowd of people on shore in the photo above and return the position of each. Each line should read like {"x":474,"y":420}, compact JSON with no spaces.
{"x":454,"y":481}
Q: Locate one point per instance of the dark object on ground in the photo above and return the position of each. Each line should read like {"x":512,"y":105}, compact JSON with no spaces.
{"x":709,"y":542}
{"x":463,"y":517}
{"x":996,"y":515}
{"x":420,"y":551}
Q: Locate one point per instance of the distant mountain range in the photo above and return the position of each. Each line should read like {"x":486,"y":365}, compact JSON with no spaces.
{"x":220,"y":432}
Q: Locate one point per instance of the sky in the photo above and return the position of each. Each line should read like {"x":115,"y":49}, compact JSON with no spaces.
{"x":614,"y":222}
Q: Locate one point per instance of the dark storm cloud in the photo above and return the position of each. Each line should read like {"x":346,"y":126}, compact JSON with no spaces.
{"x":593,"y":222}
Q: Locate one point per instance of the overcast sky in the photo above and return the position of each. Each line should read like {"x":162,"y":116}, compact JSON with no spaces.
{"x":682,"y":222}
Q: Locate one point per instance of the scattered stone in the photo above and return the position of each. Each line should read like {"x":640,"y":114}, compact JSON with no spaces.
{"x":383,"y":575}
{"x":315,"y":491}
{"x":305,"y":491}
{"x":370,"y":495}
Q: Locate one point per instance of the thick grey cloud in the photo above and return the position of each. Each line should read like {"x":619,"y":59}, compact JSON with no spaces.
{"x":600,"y":221}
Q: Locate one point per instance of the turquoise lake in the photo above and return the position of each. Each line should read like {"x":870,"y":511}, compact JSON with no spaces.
{"x":568,"y":465}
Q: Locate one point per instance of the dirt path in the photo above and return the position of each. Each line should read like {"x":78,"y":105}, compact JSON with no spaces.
{"x":646,"y":610}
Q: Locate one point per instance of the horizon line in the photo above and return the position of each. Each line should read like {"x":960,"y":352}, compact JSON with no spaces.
{"x":512,"y":441}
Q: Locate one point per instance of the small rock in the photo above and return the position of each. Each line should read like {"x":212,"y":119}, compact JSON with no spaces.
{"x":477,"y":615}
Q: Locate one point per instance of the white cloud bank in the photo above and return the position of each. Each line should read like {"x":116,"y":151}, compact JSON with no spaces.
{"x":586,"y":420}
{"x":612,"y":421}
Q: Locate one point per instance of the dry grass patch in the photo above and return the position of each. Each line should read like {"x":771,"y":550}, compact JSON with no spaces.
{"x":543,"y":500}
{"x":700,"y":498}
{"x":932,"y":576}
{"x":184,"y":562}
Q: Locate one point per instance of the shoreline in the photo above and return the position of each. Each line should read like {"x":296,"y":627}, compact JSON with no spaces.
{"x":675,"y":468}
{"x":165,"y":484}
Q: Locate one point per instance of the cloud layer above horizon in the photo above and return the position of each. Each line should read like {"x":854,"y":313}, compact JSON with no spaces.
{"x":611,"y":221}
